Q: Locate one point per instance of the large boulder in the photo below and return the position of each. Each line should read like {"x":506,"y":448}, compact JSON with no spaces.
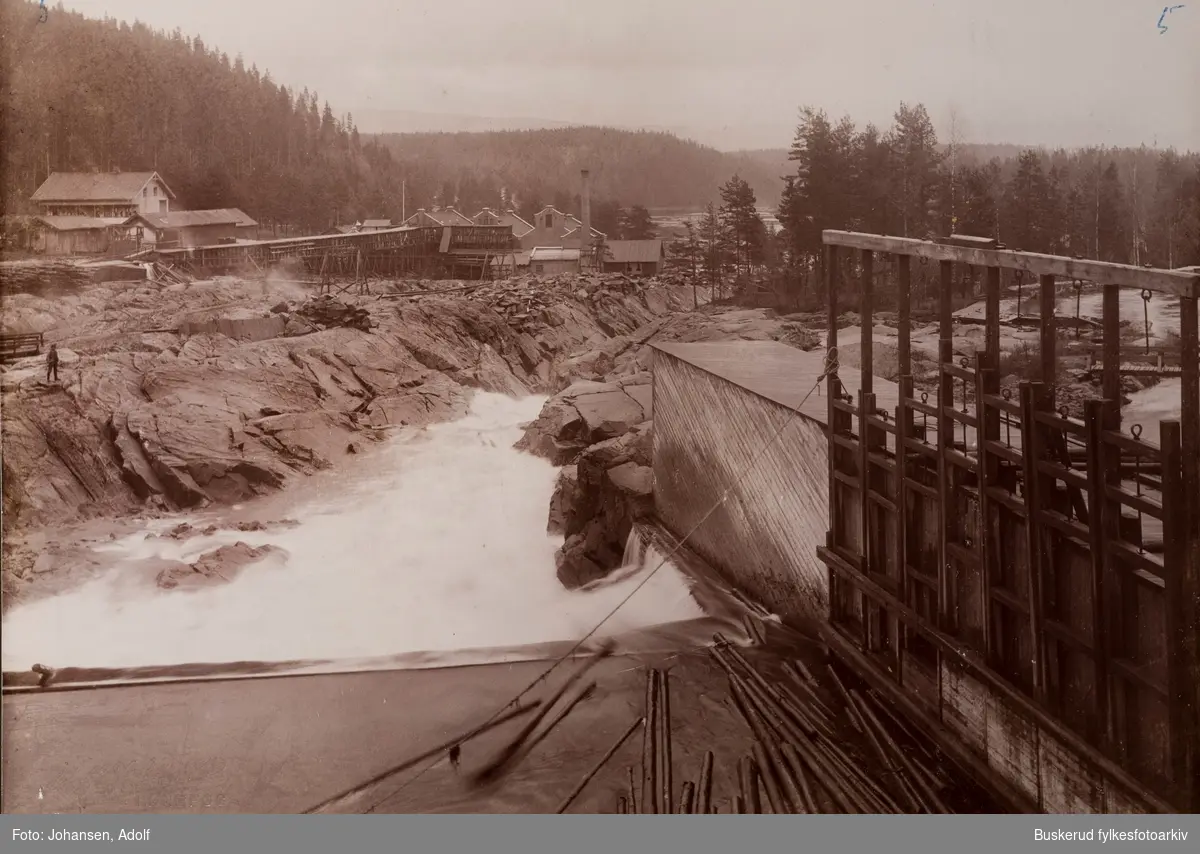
{"x":584,"y":414}
{"x":219,"y":566}
{"x":612,"y":488}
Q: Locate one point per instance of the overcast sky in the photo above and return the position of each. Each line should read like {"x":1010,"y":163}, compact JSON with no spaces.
{"x":732,"y":74}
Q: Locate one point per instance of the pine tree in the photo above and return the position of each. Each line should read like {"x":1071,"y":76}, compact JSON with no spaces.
{"x":915,"y":174}
{"x":716,"y":243}
{"x":739,"y":215}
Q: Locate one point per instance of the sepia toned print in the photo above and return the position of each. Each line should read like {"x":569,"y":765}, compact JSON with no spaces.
{"x":671,"y":408}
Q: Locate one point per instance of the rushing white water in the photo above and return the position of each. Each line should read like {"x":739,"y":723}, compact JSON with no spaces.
{"x":441,"y":547}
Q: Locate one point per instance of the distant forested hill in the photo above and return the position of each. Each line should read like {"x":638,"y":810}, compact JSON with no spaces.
{"x":535,"y":167}
{"x":81,"y":94}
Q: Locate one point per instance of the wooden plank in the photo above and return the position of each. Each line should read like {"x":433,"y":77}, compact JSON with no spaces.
{"x":1189,"y":571}
{"x":1033,"y":397}
{"x":945,"y":436}
{"x":1049,"y":332}
{"x":1098,"y":473}
{"x":987,"y":382}
{"x":1111,"y":317}
{"x":904,"y":334}
{"x":1175,"y":554}
{"x":867,"y":321}
{"x":992,"y":318}
{"x":904,"y":427}
{"x":1100,"y":272}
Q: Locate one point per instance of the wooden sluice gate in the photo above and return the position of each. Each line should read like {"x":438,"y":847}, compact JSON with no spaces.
{"x":428,"y":251}
{"x":1022,"y":582}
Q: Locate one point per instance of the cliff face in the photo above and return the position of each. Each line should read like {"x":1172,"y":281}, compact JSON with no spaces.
{"x":216,"y":391}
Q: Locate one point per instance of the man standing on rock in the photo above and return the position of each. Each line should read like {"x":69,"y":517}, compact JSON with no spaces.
{"x":52,"y":363}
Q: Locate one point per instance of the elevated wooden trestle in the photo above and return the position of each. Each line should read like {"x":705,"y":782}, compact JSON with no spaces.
{"x":1022,"y":583}
{"x":428,"y":251}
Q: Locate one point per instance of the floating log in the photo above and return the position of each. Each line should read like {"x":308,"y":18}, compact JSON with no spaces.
{"x":596,"y":769}
{"x":649,"y":802}
{"x":704,"y":787}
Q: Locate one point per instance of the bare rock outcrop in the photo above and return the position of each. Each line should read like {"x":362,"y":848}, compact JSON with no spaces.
{"x":586,"y":413}
{"x":179,"y":395}
{"x":219,"y":566}
{"x":610,"y":488}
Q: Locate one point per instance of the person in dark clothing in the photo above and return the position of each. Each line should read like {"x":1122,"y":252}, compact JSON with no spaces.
{"x":52,"y":363}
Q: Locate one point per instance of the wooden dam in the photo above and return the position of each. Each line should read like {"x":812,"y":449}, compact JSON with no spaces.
{"x":1023,"y":582}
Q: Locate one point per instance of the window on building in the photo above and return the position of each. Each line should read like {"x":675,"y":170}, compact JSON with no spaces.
{"x":549,"y":220}
{"x":156,"y":189}
{"x":145,"y":191}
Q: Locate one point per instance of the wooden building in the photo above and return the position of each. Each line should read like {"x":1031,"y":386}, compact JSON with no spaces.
{"x":633,"y":257}
{"x":192,"y":228}
{"x":76,"y":235}
{"x":519,"y":227}
{"x":548,"y":260}
{"x":103,"y":194}
{"x":552,"y":227}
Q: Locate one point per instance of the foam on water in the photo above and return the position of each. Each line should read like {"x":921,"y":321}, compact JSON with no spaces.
{"x":442,"y":547}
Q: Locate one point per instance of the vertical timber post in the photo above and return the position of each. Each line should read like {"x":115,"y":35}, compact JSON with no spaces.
{"x":1189,"y":569}
{"x":1111,"y":319}
{"x":833,"y":390}
{"x":945,"y":438}
{"x":866,"y":408}
{"x":904,"y":423}
{"x":1049,"y":328}
{"x":1034,"y":399}
{"x":1175,"y":549}
{"x":1096,"y":413}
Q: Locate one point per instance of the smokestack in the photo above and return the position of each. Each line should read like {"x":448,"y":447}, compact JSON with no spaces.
{"x":585,"y":230}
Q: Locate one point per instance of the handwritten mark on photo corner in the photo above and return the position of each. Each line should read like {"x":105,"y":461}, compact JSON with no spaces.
{"x":1162,"y":28}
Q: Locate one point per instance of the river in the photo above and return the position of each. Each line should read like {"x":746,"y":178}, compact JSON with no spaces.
{"x":434,"y":541}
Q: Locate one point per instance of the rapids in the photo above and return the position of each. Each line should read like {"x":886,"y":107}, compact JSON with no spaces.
{"x":434,"y":541}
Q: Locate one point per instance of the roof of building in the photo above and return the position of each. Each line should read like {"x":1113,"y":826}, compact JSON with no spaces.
{"x":519,"y":226}
{"x":633,"y":251}
{"x":574,"y":232}
{"x":553,"y":253}
{"x":80,"y":223}
{"x":95,"y":186}
{"x":376,"y":223}
{"x":191,"y":219}
{"x":445,"y":216}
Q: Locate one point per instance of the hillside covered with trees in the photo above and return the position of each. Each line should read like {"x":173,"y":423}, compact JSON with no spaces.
{"x":83,"y":94}
{"x":532,"y":168}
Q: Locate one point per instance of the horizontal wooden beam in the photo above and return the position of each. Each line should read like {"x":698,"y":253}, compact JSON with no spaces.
{"x":1178,"y":282}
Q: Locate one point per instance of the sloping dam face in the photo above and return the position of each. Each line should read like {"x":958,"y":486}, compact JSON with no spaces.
{"x":726,"y":426}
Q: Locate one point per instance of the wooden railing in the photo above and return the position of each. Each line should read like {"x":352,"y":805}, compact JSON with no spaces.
{"x":20,"y":345}
{"x":998,"y":564}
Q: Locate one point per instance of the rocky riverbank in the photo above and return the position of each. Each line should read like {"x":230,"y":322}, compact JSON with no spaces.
{"x":213,"y":392}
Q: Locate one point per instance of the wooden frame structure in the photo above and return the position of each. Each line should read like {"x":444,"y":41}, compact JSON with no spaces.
{"x":458,"y":251}
{"x":1023,"y":584}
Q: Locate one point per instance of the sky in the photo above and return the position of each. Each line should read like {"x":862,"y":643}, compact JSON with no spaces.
{"x":728,"y":74}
